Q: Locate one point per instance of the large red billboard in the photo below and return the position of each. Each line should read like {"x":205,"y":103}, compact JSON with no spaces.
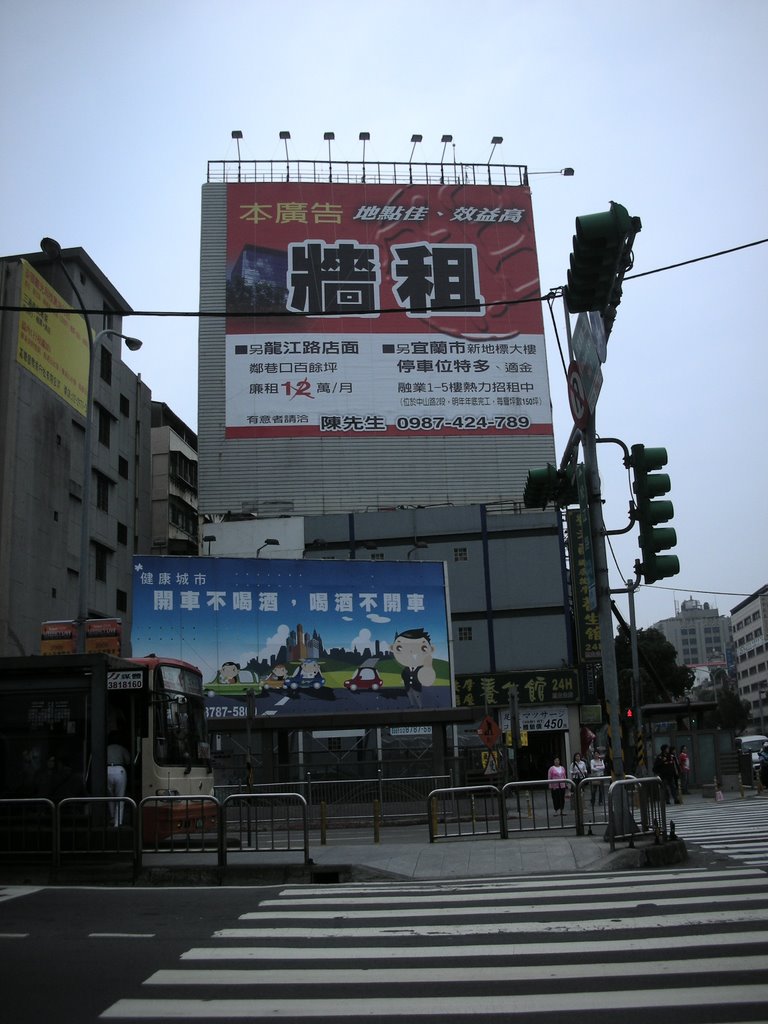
{"x":383,"y":310}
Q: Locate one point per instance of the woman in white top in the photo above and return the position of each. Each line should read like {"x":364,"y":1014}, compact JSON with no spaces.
{"x":597,"y":769}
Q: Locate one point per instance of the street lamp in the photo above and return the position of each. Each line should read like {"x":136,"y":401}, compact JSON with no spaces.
{"x":237,"y":135}
{"x":364,"y":137}
{"x":445,"y":140}
{"x":329,"y":137}
{"x":285,"y":136}
{"x":268,"y":542}
{"x":52,"y":250}
{"x":495,"y":141}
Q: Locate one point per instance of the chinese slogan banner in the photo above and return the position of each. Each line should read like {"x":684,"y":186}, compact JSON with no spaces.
{"x":305,"y":636}
{"x":383,"y":310}
{"x":533,"y":687}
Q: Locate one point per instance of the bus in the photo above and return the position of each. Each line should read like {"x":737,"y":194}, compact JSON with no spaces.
{"x":58,"y":713}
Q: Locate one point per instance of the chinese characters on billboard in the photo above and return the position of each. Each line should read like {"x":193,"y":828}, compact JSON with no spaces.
{"x":383,"y":311}
{"x":305,"y":636}
{"x":53,"y":348}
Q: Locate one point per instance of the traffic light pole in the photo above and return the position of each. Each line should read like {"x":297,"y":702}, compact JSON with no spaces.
{"x":608,"y":649}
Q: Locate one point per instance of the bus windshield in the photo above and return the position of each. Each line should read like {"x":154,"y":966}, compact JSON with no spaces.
{"x":179,"y":717}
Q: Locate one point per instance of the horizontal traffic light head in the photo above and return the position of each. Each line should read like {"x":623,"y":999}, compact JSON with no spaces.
{"x":659,"y":567}
{"x":548,"y":484}
{"x":647,"y":459}
{"x":657,"y":539}
{"x":602,"y":253}
{"x":600,"y":229}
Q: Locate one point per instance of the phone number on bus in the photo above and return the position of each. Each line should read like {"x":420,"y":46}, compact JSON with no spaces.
{"x":463,"y":423}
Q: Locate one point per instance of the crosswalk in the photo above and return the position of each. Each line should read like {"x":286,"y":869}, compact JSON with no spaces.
{"x":736,"y":828}
{"x":622,"y":945}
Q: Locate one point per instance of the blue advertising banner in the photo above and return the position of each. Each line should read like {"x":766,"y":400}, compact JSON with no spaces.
{"x":299,"y":636}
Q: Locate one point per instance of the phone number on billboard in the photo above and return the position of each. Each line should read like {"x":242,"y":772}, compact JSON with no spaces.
{"x":463,"y":423}
{"x":218,"y":711}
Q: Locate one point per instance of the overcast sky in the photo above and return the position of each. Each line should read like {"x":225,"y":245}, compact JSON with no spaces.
{"x":110,"y":111}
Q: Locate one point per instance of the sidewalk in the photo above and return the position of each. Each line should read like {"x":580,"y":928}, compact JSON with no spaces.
{"x":405,"y":853}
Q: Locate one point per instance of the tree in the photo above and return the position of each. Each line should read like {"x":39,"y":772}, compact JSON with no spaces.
{"x":662,"y":680}
{"x":732,"y":712}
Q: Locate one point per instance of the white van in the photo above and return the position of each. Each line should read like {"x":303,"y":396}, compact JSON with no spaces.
{"x":752,"y":745}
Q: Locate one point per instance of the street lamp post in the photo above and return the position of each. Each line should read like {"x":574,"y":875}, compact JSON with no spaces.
{"x":52,"y":249}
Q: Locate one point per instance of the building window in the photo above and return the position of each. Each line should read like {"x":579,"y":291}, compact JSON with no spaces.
{"x":121,"y":601}
{"x":122,"y":467}
{"x":377,"y":556}
{"x":102,"y":560}
{"x":105,"y":427}
{"x":102,"y":492}
{"x":464,"y":633}
{"x":125,"y":405}
{"x":122,"y":533}
{"x":182,"y":516}
{"x":106,"y":365}
{"x":183,"y":469}
{"x":460,"y":554}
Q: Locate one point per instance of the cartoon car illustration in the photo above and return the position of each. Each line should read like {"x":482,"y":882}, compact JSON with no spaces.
{"x":306,"y":676}
{"x":366,"y":677}
{"x":276,"y":679}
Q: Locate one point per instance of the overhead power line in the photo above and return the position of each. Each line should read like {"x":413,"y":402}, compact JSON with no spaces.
{"x":254,"y":315}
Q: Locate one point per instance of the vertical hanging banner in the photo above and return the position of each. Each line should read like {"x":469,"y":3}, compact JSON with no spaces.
{"x":586,"y":618}
{"x":305,"y":636}
{"x":383,"y":310}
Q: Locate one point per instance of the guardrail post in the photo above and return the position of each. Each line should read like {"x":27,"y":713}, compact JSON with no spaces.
{"x":377,"y":821}
{"x":323,"y":823}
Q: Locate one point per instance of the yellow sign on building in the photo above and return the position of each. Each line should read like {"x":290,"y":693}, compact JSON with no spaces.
{"x":53,"y":347}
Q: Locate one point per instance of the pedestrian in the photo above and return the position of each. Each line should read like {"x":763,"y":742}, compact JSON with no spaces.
{"x":597,"y":771}
{"x":685,"y":769}
{"x":675,"y":775}
{"x":579,"y":768}
{"x":118,"y":760}
{"x":663,"y":767}
{"x":763,"y":762}
{"x":556,"y":776}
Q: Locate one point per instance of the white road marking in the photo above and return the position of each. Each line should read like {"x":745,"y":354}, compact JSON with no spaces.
{"x":11,"y":892}
{"x":510,"y":927}
{"x":433,"y":1005}
{"x":445,"y":976}
{"x":342,"y":953}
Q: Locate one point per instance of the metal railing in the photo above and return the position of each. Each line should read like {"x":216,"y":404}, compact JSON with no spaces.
{"x":520,"y":807}
{"x":636,"y":806}
{"x":253,"y":822}
{"x":83,"y":829}
{"x":460,"y":811}
{"x":533,"y":809}
{"x":355,"y":801}
{"x":28,"y":829}
{"x":370,"y":172}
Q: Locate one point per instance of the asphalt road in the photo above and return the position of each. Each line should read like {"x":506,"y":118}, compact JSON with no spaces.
{"x":625,"y":946}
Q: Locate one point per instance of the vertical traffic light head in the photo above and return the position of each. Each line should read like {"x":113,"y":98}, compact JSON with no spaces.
{"x":649,"y":512}
{"x":602,"y":253}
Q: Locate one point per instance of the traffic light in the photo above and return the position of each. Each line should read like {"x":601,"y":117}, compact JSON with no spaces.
{"x":602,"y":253}
{"x":648,"y":486}
{"x":630,"y":714}
{"x":549,"y":484}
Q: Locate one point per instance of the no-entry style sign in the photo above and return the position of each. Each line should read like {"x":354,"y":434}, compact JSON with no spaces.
{"x":489,"y":732}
